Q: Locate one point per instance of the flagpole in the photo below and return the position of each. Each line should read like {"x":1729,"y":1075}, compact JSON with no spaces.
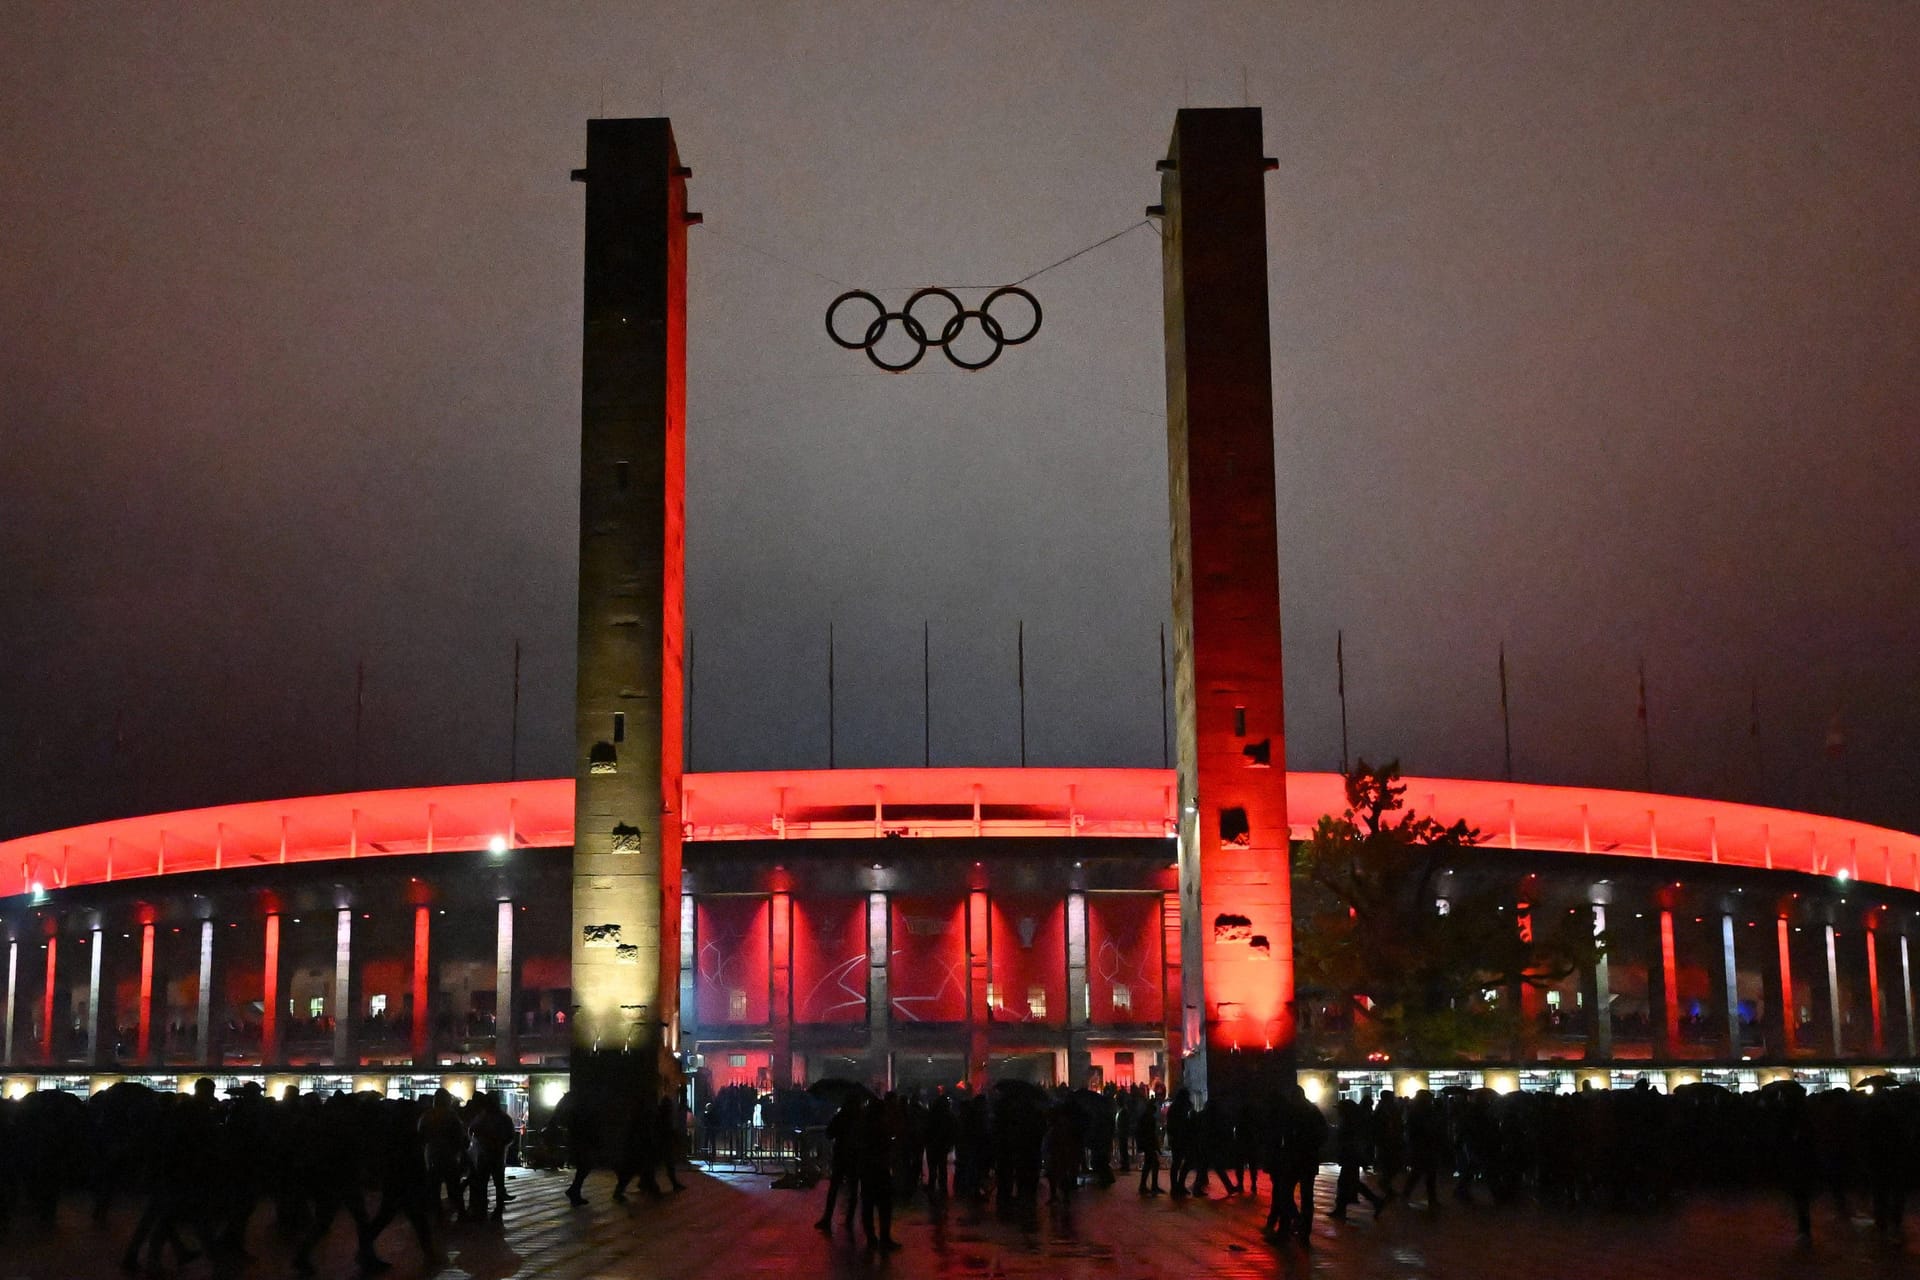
{"x":1020,"y":643}
{"x":359,"y":708}
{"x":1646,"y":733}
{"x":926,"y":692}
{"x":830,"y":743}
{"x":1506,"y":717}
{"x":1340,"y":681}
{"x":1165,"y":749}
{"x":687,"y":762}
{"x":1759,"y":750}
{"x":513,"y":748}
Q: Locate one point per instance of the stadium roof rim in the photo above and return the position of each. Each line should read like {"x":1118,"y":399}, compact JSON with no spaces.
{"x":799,"y":804}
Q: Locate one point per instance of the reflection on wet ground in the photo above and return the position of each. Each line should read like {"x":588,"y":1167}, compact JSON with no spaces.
{"x":735,"y":1225}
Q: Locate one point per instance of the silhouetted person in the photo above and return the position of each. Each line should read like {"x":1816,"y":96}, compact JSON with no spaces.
{"x":942,"y":1128}
{"x":1063,"y":1152}
{"x":876,"y":1175}
{"x":404,"y":1191}
{"x":1352,"y":1147}
{"x":489,"y":1134}
{"x":666,"y":1139}
{"x":445,"y":1142}
{"x":1146,"y":1137}
{"x":1180,"y":1142}
{"x":843,"y":1131}
{"x":1301,"y":1132}
{"x":1426,"y":1146}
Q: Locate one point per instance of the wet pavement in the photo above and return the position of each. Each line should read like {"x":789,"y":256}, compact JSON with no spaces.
{"x":735,"y":1225}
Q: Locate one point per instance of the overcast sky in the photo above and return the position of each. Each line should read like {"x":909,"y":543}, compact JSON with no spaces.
{"x":1596,"y":332}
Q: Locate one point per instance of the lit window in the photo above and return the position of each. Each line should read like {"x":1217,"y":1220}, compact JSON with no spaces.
{"x":1122,"y":998}
{"x":994,"y":1000}
{"x":736,"y":1007}
{"x":1037,"y":1002}
{"x":316,"y":1007}
{"x":376,"y":1004}
{"x":736,"y":1059}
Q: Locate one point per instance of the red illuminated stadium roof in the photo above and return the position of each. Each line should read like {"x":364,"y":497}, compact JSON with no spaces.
{"x":853,"y":803}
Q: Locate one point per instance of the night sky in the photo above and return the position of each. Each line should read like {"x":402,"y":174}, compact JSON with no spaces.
{"x":1596,"y":332}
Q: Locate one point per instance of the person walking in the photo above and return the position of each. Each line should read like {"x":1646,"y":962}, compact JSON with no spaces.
{"x":843,"y":1131}
{"x":1146,"y":1139}
{"x":876,"y":1175}
{"x":1353,"y":1147}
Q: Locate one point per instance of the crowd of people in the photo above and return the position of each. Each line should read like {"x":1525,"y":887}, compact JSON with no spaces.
{"x":200,"y":1168}
{"x":1620,"y":1149}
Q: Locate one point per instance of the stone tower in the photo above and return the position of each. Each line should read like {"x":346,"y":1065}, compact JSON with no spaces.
{"x":1235,"y":896}
{"x":626,"y":857}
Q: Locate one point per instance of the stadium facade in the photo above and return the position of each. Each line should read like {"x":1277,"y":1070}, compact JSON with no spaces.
{"x":917,"y":926}
{"x":612,"y":930}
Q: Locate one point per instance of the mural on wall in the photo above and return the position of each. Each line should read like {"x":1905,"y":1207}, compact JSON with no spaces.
{"x":830,"y":960}
{"x":731,"y":972}
{"x":1125,"y":941}
{"x":927,"y":959}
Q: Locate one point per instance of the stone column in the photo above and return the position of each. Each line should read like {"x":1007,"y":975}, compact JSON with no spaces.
{"x":1727,"y":984}
{"x":345,"y":1054}
{"x":1875,"y":1003}
{"x":1833,"y":995}
{"x":1235,"y":843}
{"x":1599,"y":992}
{"x":1172,"y":1013}
{"x":1906,"y":996}
{"x":46,"y":1004}
{"x":979,"y":983}
{"x":204,"y":1046}
{"x":420,"y":1030}
{"x":629,"y":694}
{"x":1776,"y":982}
{"x":13,"y":990}
{"x":270,"y":999}
{"x":94,"y":1057}
{"x":144,"y":1049}
{"x":780,"y":973}
{"x":1662,"y":993}
{"x":1080,"y":1056}
{"x":879,"y":1001}
{"x":506,"y":991}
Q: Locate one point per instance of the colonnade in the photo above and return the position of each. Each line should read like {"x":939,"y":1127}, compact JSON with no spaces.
{"x":1782,"y":985}
{"x":883,"y":1033}
{"x":344,"y":987}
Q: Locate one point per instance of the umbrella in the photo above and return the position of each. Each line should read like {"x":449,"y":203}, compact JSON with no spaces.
{"x":1884,"y":1080}
{"x":1024,"y":1090}
{"x":838,"y":1090}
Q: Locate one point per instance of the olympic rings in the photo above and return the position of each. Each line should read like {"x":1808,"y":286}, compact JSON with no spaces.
{"x":924,"y":334}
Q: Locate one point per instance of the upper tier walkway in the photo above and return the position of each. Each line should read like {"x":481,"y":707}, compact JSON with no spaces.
{"x":841,"y":804}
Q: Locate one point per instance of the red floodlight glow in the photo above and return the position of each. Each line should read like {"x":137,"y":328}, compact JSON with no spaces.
{"x":923,"y":803}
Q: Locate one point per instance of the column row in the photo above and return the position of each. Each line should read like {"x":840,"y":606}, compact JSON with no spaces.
{"x":241,"y":989}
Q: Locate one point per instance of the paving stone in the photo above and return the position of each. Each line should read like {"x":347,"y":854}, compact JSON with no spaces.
{"x":734,"y":1225}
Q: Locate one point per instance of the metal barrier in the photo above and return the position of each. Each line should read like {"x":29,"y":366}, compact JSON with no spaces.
{"x":763,"y":1149}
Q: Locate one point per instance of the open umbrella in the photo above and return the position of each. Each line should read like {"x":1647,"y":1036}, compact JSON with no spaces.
{"x":1024,"y":1090}
{"x":838,"y":1090}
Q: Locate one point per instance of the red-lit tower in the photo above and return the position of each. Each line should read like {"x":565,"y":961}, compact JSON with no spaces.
{"x":1236,"y":903}
{"x":626,"y":858}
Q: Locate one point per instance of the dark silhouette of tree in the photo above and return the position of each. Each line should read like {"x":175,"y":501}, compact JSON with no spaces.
{"x":1413,"y":975}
